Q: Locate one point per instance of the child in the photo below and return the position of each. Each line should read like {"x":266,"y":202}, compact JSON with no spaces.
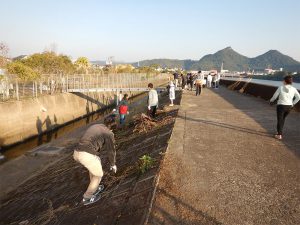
{"x":172,"y":93}
{"x":123,"y":109}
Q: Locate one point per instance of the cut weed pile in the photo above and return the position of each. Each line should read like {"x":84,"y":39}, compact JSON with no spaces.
{"x":143,"y":123}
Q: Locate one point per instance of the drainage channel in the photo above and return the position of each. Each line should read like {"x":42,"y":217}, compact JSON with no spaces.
{"x":18,"y":149}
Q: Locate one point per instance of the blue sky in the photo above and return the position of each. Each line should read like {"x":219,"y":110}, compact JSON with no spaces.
{"x":132,"y":30}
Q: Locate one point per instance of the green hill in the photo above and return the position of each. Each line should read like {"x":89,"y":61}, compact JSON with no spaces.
{"x":275,"y":60}
{"x":232,"y":60}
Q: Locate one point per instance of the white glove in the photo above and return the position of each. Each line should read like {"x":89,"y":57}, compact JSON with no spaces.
{"x":127,"y":112}
{"x":114,"y":168}
{"x":149,"y":107}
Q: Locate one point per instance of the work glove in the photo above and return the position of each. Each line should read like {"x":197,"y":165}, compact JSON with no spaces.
{"x":114,"y":168}
{"x":149,"y":107}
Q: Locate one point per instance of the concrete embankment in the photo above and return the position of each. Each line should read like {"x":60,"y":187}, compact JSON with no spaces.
{"x":258,"y":90}
{"x":20,"y":120}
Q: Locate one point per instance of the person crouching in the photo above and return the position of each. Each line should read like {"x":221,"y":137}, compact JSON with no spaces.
{"x":96,"y":138}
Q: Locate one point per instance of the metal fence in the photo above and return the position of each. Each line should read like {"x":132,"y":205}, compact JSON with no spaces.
{"x":12,"y":88}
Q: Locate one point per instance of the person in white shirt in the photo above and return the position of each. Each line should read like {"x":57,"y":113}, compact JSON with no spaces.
{"x":209,"y":79}
{"x":152,"y":100}
{"x":172,"y":92}
{"x":287,"y":96}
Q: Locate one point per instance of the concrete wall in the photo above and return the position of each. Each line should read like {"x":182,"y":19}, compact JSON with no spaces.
{"x":22,"y":119}
{"x":258,"y":90}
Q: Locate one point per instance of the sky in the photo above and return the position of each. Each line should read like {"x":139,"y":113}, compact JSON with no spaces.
{"x":133,"y":30}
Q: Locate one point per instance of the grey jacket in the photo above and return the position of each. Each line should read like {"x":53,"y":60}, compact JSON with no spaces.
{"x":97,"y":138}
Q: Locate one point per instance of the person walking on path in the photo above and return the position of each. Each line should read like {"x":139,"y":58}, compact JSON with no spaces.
{"x":217,"y":80}
{"x":123,"y":109}
{"x":287,"y":96}
{"x":152,"y":101}
{"x":191,"y":81}
{"x":183,"y":81}
{"x":95,"y":139}
{"x":172,"y":93}
{"x":209,"y":79}
{"x":176,"y":77}
{"x":198,"y":83}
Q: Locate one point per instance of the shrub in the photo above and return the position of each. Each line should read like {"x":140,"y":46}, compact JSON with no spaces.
{"x":25,"y":73}
{"x":146,"y":162}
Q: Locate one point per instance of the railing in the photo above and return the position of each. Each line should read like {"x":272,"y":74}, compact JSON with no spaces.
{"x":12,"y":88}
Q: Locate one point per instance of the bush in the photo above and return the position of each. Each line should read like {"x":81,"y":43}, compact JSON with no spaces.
{"x":25,"y":73}
{"x":49,"y":63}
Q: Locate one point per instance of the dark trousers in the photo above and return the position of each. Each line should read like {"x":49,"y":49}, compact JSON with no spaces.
{"x":282,"y":112}
{"x":152,"y":111}
{"x":191,"y":84}
{"x":198,"y":89}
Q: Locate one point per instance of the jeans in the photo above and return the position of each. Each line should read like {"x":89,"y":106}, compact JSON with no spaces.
{"x":198,"y":89}
{"x":122,"y":119}
{"x":93,"y":164}
{"x":282,"y":112}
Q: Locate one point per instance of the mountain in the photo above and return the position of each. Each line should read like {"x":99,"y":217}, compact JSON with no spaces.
{"x":232,"y":60}
{"x":275,"y":60}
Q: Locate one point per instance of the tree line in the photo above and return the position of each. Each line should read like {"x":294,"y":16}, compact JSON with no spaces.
{"x":32,"y":67}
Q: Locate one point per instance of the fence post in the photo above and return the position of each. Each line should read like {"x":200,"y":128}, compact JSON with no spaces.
{"x":67,"y":83}
{"x":17,"y":90}
{"x":32,"y":89}
{"x":36,"y":87}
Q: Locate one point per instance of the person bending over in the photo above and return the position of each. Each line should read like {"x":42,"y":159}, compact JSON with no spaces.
{"x":96,"y":138}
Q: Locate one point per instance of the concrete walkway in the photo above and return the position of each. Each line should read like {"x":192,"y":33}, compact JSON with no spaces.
{"x":223,"y":165}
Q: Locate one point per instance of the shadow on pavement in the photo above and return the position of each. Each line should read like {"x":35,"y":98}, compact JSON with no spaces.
{"x":162,"y":216}
{"x":228,"y":126}
{"x":265,"y":116}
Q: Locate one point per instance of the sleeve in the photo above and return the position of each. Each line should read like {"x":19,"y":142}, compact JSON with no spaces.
{"x":275,"y":96}
{"x":297,"y":97}
{"x":111,"y":151}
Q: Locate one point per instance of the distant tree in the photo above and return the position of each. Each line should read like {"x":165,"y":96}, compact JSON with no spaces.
{"x":82,"y":63}
{"x":50,"y":63}
{"x":127,"y":68}
{"x":23,"y":72}
{"x":3,"y":54}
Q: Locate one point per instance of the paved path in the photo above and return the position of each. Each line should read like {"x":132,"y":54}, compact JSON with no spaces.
{"x":224,"y":167}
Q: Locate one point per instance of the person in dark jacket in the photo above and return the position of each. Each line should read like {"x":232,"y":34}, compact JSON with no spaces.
{"x":183,"y":81}
{"x":191,"y":81}
{"x":96,"y":138}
